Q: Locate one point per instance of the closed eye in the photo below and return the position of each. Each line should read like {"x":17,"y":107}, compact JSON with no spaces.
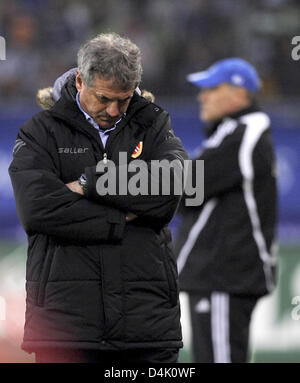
{"x":106,"y":100}
{"x":122,"y":102}
{"x":103,"y":99}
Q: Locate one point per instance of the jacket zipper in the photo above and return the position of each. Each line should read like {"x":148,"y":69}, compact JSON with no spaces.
{"x":105,"y":158}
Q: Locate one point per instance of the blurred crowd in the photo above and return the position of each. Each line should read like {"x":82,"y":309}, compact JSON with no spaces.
{"x":176,"y":37}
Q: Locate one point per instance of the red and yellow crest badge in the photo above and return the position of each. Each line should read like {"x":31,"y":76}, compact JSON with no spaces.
{"x":138,"y":150}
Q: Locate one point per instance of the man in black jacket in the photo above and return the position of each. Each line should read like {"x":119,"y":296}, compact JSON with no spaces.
{"x":101,"y":277}
{"x":225,"y":246}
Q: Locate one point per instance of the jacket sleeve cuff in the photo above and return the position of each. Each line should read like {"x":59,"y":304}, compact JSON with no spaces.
{"x":92,"y":177}
{"x":117,"y":220}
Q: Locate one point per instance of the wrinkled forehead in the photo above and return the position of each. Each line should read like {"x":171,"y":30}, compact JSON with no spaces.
{"x":112,"y":83}
{"x":109,"y":88}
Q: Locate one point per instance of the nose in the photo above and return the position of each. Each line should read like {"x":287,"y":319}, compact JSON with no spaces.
{"x":113,"y":109}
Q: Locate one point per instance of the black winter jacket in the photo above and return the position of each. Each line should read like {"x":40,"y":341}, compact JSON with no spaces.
{"x":93,"y":280}
{"x":227,"y":243}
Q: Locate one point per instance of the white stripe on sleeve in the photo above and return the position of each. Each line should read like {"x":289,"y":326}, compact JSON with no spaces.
{"x":194,"y":233}
{"x":257,"y":123}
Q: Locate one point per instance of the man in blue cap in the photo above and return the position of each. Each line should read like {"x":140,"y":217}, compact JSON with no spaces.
{"x":225,"y":246}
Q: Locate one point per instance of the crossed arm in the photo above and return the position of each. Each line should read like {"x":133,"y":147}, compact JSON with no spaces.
{"x":154,"y":209}
{"x":46,"y":205}
{"x":76,"y":188}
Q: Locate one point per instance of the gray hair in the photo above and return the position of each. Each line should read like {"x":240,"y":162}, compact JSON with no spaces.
{"x":111,"y":57}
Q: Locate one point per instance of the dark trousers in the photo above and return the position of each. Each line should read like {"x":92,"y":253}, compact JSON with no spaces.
{"x":220,"y":327}
{"x":61,"y":355}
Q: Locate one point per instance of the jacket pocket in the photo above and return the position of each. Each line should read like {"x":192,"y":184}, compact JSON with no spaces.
{"x":45,"y":271}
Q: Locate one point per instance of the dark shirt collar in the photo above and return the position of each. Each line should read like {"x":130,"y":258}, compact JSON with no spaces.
{"x":249,"y":109}
{"x":210,"y":128}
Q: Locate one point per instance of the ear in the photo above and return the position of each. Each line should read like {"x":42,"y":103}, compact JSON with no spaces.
{"x":78,"y":81}
{"x":241,"y":97}
{"x":238,"y":93}
{"x":242,"y":92}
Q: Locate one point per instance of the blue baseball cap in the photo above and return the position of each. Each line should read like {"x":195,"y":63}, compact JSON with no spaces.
{"x":234,"y":71}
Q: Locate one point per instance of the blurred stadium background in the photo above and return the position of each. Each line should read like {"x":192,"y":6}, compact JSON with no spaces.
{"x":176,"y":38}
